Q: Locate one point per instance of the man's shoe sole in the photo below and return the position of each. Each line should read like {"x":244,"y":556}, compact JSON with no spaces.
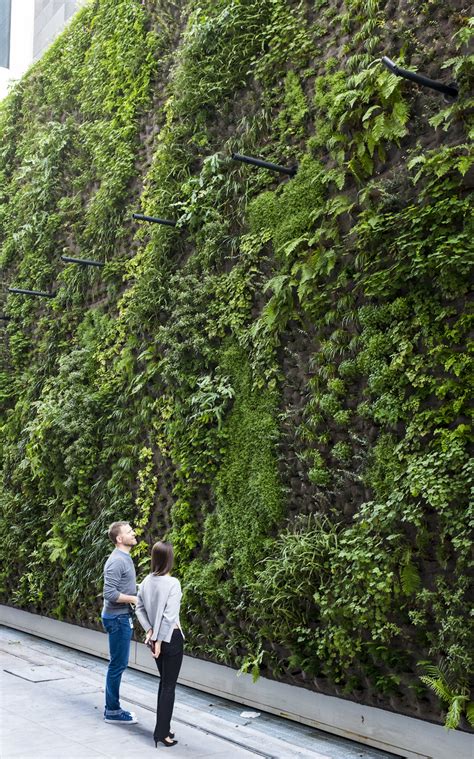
{"x":120,"y":721}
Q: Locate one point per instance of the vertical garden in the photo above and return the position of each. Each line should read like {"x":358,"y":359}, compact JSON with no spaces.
{"x":279,"y":383}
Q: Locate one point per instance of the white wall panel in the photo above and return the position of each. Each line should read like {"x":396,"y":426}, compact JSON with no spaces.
{"x":405,"y":736}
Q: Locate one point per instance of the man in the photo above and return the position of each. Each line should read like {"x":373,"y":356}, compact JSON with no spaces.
{"x":120,"y":590}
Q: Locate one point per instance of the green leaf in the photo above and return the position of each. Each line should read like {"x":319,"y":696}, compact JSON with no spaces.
{"x":410,"y":579}
{"x":276,"y":283}
{"x":454,"y":714}
{"x":291,"y":246}
{"x":369,"y":112}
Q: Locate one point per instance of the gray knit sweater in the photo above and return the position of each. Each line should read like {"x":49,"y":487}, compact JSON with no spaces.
{"x":159,"y":599}
{"x":119,"y":577}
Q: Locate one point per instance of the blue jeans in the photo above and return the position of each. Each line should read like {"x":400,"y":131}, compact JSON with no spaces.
{"x":120,"y":630}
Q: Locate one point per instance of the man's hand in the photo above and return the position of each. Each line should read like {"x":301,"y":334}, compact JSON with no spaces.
{"x":124,"y":599}
{"x":148,"y":636}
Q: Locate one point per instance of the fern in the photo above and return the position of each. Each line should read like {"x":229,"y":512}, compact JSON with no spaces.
{"x":455,"y":711}
{"x":410,"y":579}
{"x":438,"y":686}
{"x":450,"y":690}
{"x":470,"y":713}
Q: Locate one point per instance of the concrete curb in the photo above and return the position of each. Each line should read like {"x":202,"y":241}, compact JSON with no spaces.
{"x":405,"y":736}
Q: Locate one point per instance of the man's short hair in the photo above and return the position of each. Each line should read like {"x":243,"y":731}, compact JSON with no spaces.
{"x":114,"y":530}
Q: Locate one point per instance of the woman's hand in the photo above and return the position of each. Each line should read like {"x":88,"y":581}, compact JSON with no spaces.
{"x":156,"y":650}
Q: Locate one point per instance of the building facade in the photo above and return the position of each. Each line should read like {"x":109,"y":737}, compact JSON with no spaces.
{"x":51,"y":16}
{"x":5,"y":23}
{"x":27,"y":28}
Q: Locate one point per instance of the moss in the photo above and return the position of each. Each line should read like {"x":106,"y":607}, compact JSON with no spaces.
{"x":263,"y":213}
{"x":292,"y":117}
{"x":288,"y":214}
{"x":248,"y":492}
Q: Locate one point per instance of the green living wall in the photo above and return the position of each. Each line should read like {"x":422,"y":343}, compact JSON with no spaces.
{"x":278,"y":384}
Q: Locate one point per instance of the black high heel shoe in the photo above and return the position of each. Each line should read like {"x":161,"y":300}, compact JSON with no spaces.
{"x":165,"y":742}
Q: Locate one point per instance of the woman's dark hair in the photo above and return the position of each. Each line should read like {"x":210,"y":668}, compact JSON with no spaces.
{"x":161,"y":558}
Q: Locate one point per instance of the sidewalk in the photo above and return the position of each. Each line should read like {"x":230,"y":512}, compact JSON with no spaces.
{"x":51,"y":706}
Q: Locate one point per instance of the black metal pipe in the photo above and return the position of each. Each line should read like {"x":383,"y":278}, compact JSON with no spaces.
{"x":265,"y":164}
{"x":154,"y":219}
{"x":84,"y":261}
{"x":448,"y":90}
{"x":31,"y":292}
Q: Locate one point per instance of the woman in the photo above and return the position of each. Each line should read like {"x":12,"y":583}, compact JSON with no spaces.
{"x":159,"y":598}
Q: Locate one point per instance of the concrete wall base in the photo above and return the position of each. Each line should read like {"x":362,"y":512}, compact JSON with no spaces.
{"x":404,"y":736}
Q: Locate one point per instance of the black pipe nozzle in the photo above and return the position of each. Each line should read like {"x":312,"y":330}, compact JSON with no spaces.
{"x":154,"y":219}
{"x":38,"y":293}
{"x":83,"y":261}
{"x":265,"y":164}
{"x":450,"y":90}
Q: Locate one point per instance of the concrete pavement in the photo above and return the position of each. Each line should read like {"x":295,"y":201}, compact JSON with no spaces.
{"x":51,"y":706}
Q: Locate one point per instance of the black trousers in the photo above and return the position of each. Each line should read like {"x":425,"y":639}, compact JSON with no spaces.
{"x":168,"y":663}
